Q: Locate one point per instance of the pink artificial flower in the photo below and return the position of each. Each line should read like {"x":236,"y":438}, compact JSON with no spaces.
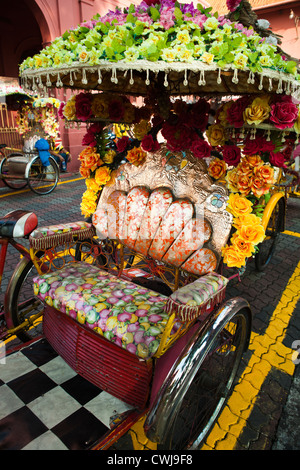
{"x":284,"y":113}
{"x":61,"y":110}
{"x":233,"y":4}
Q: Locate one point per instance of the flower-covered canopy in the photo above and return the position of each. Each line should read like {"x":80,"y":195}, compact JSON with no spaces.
{"x":161,"y":44}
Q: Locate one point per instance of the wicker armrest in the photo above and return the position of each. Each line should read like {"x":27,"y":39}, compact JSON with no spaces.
{"x":54,"y":235}
{"x":198,"y":297}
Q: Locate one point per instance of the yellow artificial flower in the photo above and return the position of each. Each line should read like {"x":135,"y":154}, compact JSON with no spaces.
{"x":245,"y":220}
{"x":252,"y":233}
{"x":92,"y":185}
{"x":257,"y":112}
{"x":216,"y":135}
{"x":88,"y":203}
{"x":141,"y":129}
{"x":109,"y":156}
{"x":231,"y":180}
{"x":136,"y":156}
{"x":238,"y":205}
{"x":70,"y":110}
{"x":233,"y":257}
{"x":102,"y":175}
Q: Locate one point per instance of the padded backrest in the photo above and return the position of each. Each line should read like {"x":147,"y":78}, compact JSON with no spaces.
{"x":168,"y":209}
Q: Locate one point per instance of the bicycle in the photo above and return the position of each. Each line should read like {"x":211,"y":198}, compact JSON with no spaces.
{"x":21,"y":310}
{"x":19,"y":169}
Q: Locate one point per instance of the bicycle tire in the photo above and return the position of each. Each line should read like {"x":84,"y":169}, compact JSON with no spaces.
{"x":42,"y":180}
{"x":199,"y":397}
{"x":274,"y":227}
{"x":20,"y":294}
{"x":4,"y":170}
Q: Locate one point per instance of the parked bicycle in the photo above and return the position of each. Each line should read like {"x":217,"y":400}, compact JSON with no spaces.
{"x":21,"y":169}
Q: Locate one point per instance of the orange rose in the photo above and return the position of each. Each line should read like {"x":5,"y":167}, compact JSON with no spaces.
{"x":244,"y":184}
{"x":217,"y":168}
{"x":253,"y":160}
{"x":102,"y":175}
{"x":244,"y":168}
{"x":216,"y":135}
{"x":233,"y":257}
{"x":246,"y":219}
{"x":136,"y":156}
{"x":259,"y":186}
{"x":90,"y":159}
{"x":266,"y":172}
{"x":85,"y":172}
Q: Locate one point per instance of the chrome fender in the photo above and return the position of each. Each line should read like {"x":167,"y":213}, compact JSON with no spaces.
{"x":162,"y":411}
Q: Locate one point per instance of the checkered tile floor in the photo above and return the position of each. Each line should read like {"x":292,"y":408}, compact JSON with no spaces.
{"x":45,"y":405}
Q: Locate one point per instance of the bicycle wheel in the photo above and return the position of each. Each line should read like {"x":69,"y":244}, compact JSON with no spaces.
{"x":9,"y":166}
{"x":197,"y":399}
{"x":20,"y":303}
{"x":42,"y":180}
{"x":274,"y":227}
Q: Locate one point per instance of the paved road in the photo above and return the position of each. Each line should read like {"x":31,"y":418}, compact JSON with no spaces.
{"x":262,"y":413}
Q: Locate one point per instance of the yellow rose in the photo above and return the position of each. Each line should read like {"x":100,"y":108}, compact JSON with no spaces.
{"x":69,"y":110}
{"x":246,"y":219}
{"x":216,"y":135}
{"x":88,"y":203}
{"x":231,"y":180}
{"x":252,"y":233}
{"x":257,"y":112}
{"x":102,"y":175}
{"x":217,"y":168}
{"x":222,"y":114}
{"x":297,"y":124}
{"x":238,"y":205}
{"x":233,"y":257}
{"x":92,"y":185}
{"x":245,"y":247}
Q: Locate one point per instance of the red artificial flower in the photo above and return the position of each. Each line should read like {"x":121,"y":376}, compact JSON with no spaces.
{"x":235,"y":111}
{"x":83,"y":106}
{"x":116,"y":110}
{"x":122,"y":143}
{"x":277,"y":159}
{"x":148,"y":144}
{"x":257,"y":145}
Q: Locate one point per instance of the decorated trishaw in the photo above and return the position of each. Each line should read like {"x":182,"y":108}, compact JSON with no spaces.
{"x":191,"y":118}
{"x":36,"y":119}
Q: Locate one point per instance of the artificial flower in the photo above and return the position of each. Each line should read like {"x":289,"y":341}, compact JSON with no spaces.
{"x":238,"y":205}
{"x":217,"y":168}
{"x":216,"y":135}
{"x":233,"y":257}
{"x":252,"y":233}
{"x":245,"y":247}
{"x":136,"y":156}
{"x":102,"y":175}
{"x":231,"y":154}
{"x":284,"y":113}
{"x":257,"y":112}
{"x":90,"y":158}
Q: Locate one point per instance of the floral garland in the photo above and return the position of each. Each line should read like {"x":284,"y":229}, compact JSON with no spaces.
{"x":239,"y":153}
{"x":42,"y":111}
{"x":164,"y":30}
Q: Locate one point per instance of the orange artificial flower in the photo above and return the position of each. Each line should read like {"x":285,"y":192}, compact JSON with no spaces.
{"x":90,"y":158}
{"x":252,"y":233}
{"x":266,"y":172}
{"x":136,"y":156}
{"x":233,"y":257}
{"x":245,"y":247}
{"x":259,"y":187}
{"x":217,"y":168}
{"x":244,"y":184}
{"x":253,"y":160}
{"x":102,"y":175}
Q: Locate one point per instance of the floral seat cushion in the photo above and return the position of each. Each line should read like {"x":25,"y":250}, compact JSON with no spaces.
{"x":45,"y":237}
{"x":128,"y":315}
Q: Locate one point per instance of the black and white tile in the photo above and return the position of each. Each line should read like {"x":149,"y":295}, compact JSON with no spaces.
{"x":45,"y":405}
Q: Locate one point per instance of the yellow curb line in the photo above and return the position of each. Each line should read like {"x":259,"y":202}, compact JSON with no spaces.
{"x":293,"y":234}
{"x":268,"y":351}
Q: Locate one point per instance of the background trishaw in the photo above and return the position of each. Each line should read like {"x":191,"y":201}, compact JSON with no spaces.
{"x":21,"y":164}
{"x":180,"y":193}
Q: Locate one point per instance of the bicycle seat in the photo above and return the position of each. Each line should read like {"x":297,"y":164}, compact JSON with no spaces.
{"x":17,"y":224}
